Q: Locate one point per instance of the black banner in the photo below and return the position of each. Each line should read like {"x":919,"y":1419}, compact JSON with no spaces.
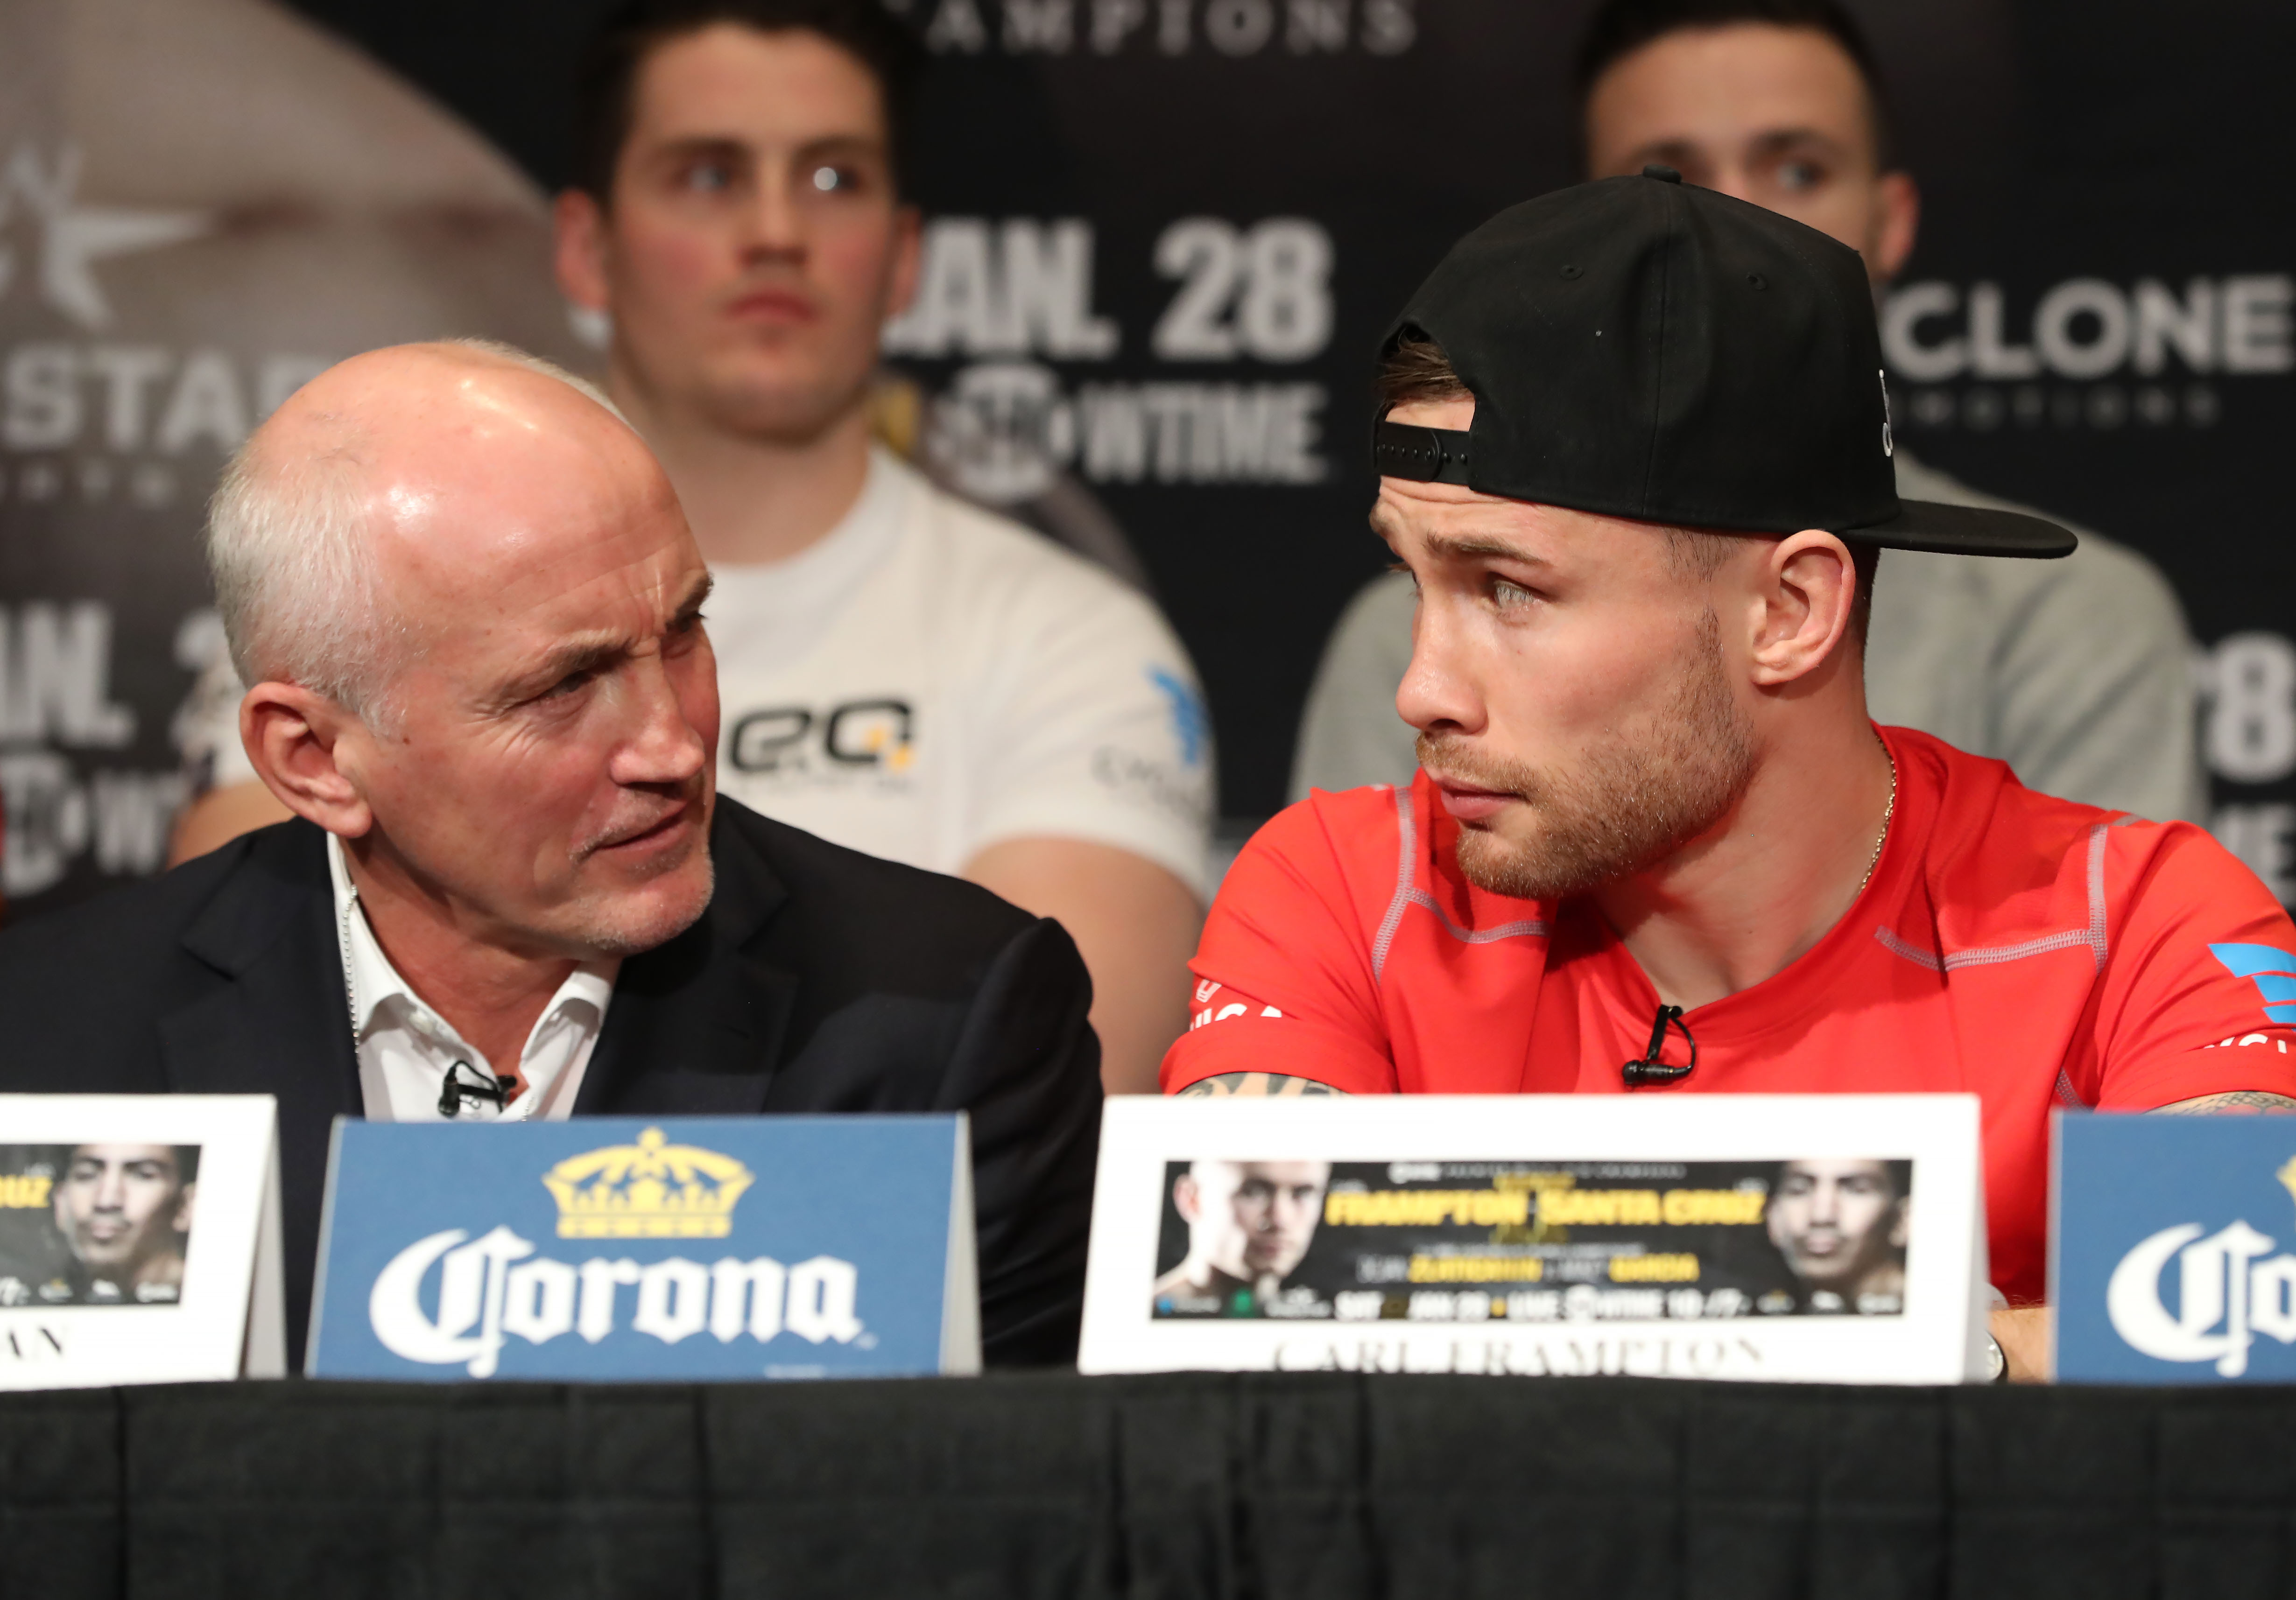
{"x":1163,"y":236}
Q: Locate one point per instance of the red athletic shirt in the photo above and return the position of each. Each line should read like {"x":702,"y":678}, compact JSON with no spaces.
{"x":2030,"y":950}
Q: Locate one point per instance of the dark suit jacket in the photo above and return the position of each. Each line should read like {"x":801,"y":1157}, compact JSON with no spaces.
{"x":820,"y":980}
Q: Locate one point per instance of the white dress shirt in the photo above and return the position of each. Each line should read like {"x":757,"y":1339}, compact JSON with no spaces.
{"x":405,"y":1048}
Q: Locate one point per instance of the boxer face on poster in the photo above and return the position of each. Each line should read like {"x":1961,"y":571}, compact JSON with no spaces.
{"x":125,"y":1212}
{"x":1779,"y":117}
{"x":1249,"y":1224}
{"x":1841,"y":1226}
{"x":755,"y":244}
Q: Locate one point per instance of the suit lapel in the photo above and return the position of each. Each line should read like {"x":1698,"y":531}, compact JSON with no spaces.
{"x":280,"y":1028}
{"x":696,"y":1025}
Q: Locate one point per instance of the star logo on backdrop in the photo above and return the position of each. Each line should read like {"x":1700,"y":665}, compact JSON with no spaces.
{"x":73,"y":237}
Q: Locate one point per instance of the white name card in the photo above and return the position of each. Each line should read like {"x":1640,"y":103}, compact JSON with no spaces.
{"x":1832,"y":1237}
{"x":139,"y":1240}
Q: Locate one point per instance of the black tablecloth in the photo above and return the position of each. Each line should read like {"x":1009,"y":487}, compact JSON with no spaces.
{"x":1255,"y":1487}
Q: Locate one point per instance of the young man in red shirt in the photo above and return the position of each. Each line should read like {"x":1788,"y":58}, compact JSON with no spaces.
{"x":1636,"y":454}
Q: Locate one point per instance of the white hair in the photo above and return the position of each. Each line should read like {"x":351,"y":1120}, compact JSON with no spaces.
{"x":296,"y":579}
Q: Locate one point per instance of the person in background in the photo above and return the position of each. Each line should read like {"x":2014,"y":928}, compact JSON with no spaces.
{"x":901,"y":672}
{"x":2075,"y":672}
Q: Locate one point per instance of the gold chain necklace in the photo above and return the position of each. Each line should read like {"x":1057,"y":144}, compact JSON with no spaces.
{"x":1888,"y":812}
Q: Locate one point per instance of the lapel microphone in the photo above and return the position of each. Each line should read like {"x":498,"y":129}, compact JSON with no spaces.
{"x":457,"y":1090}
{"x":1649,"y":1069}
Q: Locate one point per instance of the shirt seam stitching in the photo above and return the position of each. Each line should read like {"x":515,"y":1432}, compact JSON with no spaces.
{"x":2093,"y":935}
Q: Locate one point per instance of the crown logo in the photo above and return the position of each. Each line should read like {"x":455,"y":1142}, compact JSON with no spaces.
{"x":651,"y":1190}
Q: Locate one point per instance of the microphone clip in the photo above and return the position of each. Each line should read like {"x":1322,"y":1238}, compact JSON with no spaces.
{"x":1649,"y":1069}
{"x":477,"y":1086}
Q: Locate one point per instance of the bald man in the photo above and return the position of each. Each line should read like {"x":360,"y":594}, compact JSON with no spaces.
{"x":472,"y":615}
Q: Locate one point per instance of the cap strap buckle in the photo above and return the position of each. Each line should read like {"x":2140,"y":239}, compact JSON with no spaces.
{"x":1428,"y":455}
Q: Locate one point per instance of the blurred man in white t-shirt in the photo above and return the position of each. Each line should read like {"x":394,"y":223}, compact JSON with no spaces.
{"x":900,"y":672}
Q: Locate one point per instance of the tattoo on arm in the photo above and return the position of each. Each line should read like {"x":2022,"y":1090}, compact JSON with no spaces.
{"x":2238,"y":1102}
{"x":1257,"y":1086}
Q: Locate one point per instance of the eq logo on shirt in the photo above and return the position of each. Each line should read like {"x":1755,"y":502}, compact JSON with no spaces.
{"x":2229,"y":1290}
{"x":867,"y":735}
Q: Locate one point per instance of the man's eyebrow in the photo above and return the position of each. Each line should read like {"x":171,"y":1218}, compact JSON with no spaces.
{"x":583,"y":653}
{"x":697,"y":595}
{"x":1673,"y":150}
{"x":1481,"y":549}
{"x":830,"y":144}
{"x":587,"y":652}
{"x":1776,"y":139}
{"x":688,"y":147}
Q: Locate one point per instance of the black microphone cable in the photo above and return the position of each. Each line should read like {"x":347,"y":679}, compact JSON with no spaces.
{"x":1649,"y":1069}
{"x":457,"y":1090}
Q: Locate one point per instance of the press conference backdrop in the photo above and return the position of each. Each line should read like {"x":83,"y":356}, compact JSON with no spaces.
{"x":1163,"y":238}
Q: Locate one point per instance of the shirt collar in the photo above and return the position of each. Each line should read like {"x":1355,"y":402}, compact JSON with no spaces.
{"x":372,"y":983}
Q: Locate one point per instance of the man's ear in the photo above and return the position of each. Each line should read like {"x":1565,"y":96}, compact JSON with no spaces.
{"x":1186,"y":1199}
{"x":1808,"y":593}
{"x":293,"y":740}
{"x":908,"y":260}
{"x":580,"y":250}
{"x":1897,"y":218}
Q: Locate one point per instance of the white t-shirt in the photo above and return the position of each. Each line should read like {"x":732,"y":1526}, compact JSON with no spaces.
{"x":929,"y":679}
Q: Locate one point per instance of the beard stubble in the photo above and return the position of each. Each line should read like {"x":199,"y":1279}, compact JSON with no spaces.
{"x":1630,"y":803}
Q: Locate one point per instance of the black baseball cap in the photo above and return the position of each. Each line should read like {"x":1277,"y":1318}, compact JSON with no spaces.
{"x":1643,"y":348}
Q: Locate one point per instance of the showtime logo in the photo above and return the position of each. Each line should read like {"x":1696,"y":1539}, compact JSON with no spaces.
{"x":1005,"y":428}
{"x":2088,"y":352}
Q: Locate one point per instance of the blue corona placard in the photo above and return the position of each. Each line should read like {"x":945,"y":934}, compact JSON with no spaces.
{"x":619,"y":1248}
{"x":2173,"y":1249}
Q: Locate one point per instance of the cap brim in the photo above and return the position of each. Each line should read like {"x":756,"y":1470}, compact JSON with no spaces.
{"x":1965,"y":530}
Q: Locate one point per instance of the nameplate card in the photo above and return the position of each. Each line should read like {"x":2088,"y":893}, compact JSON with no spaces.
{"x":139,"y":1240}
{"x":1764,"y":1236}
{"x":2172,"y":1256}
{"x":625,"y":1248}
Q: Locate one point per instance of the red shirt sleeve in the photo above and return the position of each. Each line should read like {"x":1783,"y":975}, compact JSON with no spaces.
{"x":2199,"y":990}
{"x":1284,"y":968}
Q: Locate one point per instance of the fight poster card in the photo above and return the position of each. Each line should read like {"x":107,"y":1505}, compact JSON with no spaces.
{"x":138,"y":1240}
{"x":1780,"y":1238}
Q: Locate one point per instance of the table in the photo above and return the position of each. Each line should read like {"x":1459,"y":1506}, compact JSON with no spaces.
{"x":1254,"y":1487}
